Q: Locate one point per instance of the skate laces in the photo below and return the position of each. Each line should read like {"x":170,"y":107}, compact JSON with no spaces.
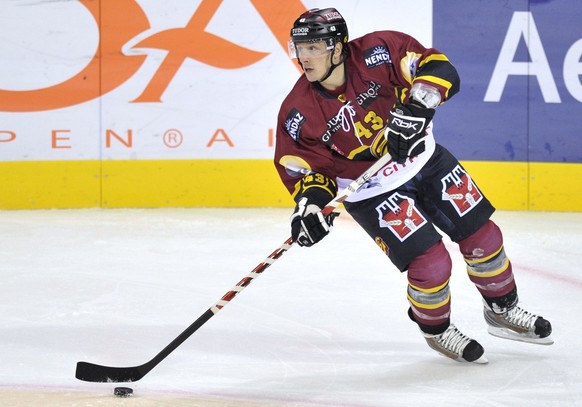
{"x":453,"y":340}
{"x":520,"y":317}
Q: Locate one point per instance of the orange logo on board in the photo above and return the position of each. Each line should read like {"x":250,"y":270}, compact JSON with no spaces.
{"x":121,"y":20}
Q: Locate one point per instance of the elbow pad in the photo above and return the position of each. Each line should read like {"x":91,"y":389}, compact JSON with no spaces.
{"x":425,"y":95}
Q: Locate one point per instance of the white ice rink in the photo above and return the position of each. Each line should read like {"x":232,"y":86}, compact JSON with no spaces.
{"x":324,"y":326}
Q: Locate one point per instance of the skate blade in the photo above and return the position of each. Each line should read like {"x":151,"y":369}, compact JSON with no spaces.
{"x":481,"y":361}
{"x":508,"y":334}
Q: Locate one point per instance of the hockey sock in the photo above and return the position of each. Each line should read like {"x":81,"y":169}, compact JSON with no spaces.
{"x":428,"y":289}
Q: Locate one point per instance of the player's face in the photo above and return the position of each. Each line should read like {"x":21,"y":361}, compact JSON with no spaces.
{"x":315,"y":58}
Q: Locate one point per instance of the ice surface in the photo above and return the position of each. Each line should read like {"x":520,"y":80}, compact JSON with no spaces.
{"x":324,"y":326}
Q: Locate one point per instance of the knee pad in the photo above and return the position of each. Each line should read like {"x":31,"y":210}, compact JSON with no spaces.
{"x":431,"y":269}
{"x":483,"y":243}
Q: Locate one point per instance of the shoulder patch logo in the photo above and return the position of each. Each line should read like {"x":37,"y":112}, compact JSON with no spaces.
{"x":293,"y":123}
{"x":377,"y":56}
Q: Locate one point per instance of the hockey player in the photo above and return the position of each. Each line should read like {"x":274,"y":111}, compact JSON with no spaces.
{"x":374,"y":95}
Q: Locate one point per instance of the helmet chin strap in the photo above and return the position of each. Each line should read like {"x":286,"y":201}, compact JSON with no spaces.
{"x":333,"y":66}
{"x":331,"y":69}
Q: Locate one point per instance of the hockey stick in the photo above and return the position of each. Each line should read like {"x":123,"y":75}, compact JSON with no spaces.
{"x":91,"y":372}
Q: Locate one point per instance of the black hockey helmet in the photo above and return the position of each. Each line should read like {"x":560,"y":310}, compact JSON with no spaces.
{"x":320,"y":24}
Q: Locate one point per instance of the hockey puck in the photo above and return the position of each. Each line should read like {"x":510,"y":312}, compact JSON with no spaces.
{"x":123,"y":391}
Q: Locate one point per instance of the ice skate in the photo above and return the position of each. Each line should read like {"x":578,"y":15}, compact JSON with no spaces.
{"x":519,"y":325}
{"x":455,"y":345}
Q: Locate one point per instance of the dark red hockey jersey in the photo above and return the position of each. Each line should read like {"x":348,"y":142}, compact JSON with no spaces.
{"x":337,"y":135}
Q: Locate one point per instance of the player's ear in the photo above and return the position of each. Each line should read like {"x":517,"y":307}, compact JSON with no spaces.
{"x":337,"y":51}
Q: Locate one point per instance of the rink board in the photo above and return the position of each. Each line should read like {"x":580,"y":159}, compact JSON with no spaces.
{"x":245,"y":183}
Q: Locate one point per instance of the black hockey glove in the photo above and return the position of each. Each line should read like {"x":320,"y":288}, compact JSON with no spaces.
{"x":406,"y":128}
{"x":308,"y":225}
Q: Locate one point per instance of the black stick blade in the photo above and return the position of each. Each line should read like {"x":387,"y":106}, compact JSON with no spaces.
{"x":90,"y":372}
